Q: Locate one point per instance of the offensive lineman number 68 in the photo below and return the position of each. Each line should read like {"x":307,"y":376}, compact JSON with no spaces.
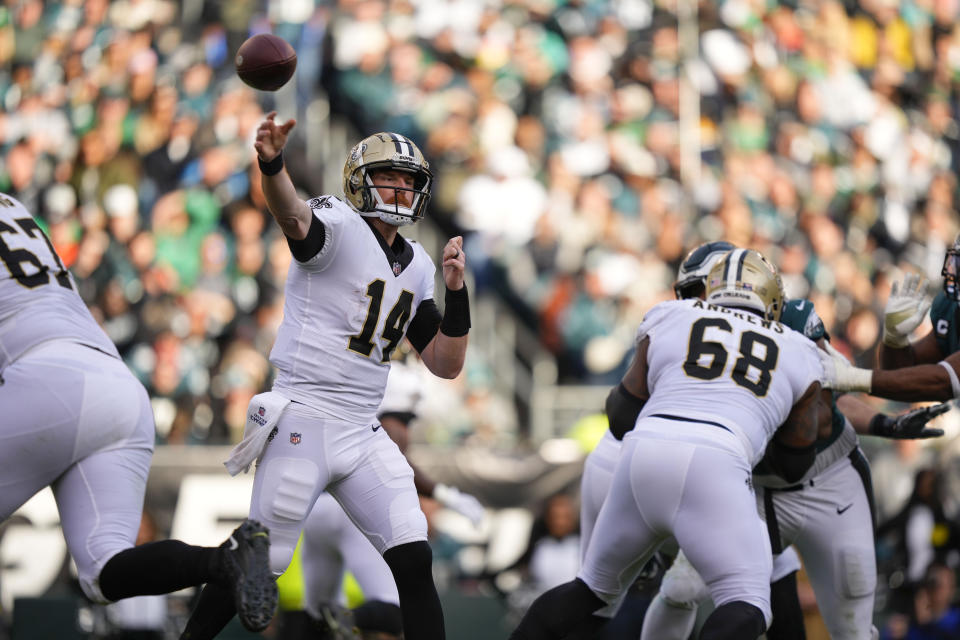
{"x":762,"y":367}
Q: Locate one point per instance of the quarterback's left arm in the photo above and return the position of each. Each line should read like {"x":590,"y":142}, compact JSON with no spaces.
{"x":911,"y":425}
{"x":445,"y":353}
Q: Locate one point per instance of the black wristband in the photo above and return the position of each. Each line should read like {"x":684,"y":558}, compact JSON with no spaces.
{"x":879,"y":425}
{"x":456,"y":313}
{"x":273,"y":167}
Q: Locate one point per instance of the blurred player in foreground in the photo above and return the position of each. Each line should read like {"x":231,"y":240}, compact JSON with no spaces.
{"x":77,"y":420}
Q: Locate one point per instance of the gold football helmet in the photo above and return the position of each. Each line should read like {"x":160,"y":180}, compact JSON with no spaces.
{"x":386,"y":151}
{"x":745,"y":279}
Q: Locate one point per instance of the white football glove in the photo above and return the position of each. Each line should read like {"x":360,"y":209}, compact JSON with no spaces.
{"x":462,"y":503}
{"x":840,"y":375}
{"x":905,"y":310}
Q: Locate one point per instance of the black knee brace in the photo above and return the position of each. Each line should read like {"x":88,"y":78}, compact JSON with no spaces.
{"x":734,"y":621}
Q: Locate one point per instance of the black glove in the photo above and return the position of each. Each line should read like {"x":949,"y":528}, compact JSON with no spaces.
{"x":910,"y":426}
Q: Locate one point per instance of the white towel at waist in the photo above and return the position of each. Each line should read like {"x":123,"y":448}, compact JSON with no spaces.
{"x":262,"y":415}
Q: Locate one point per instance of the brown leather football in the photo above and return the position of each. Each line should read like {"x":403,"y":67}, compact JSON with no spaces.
{"x":266,"y":62}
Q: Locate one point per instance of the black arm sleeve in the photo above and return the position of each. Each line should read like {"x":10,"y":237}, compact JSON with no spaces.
{"x":790,"y":463}
{"x":424,"y":325}
{"x":304,"y":250}
{"x":622,"y":410}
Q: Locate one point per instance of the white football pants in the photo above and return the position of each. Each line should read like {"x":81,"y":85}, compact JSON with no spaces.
{"x":673,"y":612}
{"x":594,"y":485}
{"x":331,"y":545}
{"x":668,"y":481}
{"x":76,"y":419}
{"x":361,"y":468}
{"x":830,"y":522}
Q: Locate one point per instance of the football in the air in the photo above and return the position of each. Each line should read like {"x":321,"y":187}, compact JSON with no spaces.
{"x":266,"y":62}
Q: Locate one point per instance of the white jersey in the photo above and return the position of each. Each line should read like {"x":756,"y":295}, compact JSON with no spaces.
{"x":38,"y":297}
{"x":725,"y":366}
{"x":346,"y":310}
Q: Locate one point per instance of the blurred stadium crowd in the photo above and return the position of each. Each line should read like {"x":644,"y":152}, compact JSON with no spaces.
{"x":559,"y":134}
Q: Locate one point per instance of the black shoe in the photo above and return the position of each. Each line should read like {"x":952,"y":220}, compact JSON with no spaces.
{"x":245,"y":570}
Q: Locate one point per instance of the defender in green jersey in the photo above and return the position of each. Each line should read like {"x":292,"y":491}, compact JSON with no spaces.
{"x":905,"y":310}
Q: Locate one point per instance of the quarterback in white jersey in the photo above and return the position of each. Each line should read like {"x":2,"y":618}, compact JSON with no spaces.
{"x":354,"y":290}
{"x":77,"y":420}
{"x":711,"y":384}
{"x":346,"y":310}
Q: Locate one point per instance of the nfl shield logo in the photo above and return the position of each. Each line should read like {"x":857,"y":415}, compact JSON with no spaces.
{"x":294,"y":438}
{"x":396,"y":268}
{"x":261,"y":411}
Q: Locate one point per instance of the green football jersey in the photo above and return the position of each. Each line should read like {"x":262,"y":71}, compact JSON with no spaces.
{"x":943,"y":315}
{"x":799,"y":315}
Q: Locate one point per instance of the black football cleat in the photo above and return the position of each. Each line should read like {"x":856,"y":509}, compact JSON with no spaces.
{"x":245,"y":570}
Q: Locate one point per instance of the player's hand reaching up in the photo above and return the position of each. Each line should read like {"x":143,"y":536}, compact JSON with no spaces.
{"x":906,"y":308}
{"x":272,"y":137}
{"x":454,"y":262}
{"x":909,"y":426}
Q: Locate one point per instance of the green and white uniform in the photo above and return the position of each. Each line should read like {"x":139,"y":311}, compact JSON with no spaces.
{"x":943,"y":315}
{"x":828,"y":516}
{"x":801,"y":316}
{"x":74,"y":417}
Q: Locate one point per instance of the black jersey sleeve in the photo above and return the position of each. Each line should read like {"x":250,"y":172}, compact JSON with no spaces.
{"x":424,"y":325}
{"x":304,"y":250}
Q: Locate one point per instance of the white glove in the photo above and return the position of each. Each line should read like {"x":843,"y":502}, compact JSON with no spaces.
{"x":462,"y":503}
{"x":840,"y":375}
{"x":905,"y":310}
